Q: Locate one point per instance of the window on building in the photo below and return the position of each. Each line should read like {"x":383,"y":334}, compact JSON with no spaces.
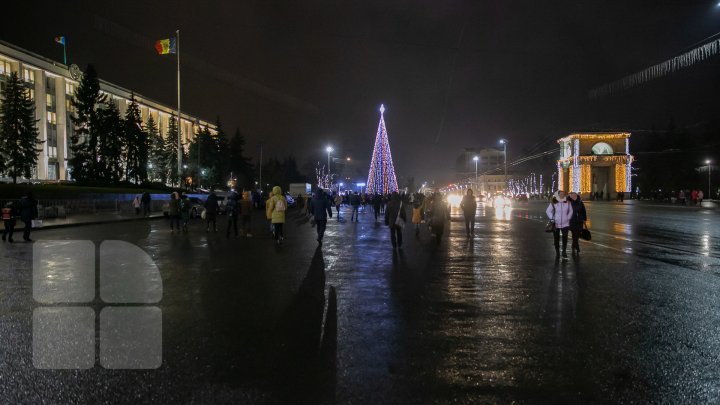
{"x":31,"y":94}
{"x":29,"y":75}
{"x":52,"y":117}
{"x":602,"y":148}
{"x":52,"y":171}
{"x":4,"y":67}
{"x":50,"y":83}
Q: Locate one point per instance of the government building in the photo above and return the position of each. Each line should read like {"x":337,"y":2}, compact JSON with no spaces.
{"x":52,"y":85}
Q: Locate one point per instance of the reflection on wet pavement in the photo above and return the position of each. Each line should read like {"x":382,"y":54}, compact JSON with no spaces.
{"x":491,"y":318}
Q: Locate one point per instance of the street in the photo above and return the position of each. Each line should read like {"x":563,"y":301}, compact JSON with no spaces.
{"x":494,"y":318}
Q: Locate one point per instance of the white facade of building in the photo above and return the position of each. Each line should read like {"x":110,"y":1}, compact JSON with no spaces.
{"x":51,"y":86}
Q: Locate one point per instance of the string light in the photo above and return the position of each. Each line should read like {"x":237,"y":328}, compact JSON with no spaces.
{"x":381,"y":178}
{"x":586,"y":179}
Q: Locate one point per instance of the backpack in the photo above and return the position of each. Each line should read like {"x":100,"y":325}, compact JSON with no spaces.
{"x":280,"y":204}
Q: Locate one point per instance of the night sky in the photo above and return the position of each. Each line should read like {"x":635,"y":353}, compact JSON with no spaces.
{"x":299,"y":75}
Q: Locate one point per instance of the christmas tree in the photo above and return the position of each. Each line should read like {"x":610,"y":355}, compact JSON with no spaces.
{"x":381,"y":179}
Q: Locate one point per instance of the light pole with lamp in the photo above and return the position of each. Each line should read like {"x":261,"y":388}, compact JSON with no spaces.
{"x":707,"y":162}
{"x":329,"y":150}
{"x":503,"y":142}
{"x":477,"y":186}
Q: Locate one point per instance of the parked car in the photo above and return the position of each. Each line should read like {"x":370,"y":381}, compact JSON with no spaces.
{"x":196,"y":208}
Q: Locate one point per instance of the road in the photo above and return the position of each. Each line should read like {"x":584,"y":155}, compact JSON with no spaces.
{"x":494,"y":318}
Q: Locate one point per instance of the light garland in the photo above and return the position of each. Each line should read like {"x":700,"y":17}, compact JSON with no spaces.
{"x":586,"y":179}
{"x":381,"y":177}
{"x":561,"y":178}
{"x":620,"y":178}
{"x":595,"y":136}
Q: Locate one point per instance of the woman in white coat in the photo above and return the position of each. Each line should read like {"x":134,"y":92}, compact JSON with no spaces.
{"x":560,"y":211}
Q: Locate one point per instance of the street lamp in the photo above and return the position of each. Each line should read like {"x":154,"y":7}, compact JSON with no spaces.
{"x":503,"y":142}
{"x":329,"y":149}
{"x":476,"y":158}
{"x":707,"y":162}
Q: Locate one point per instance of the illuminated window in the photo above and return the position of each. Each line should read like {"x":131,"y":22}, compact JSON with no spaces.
{"x":69,"y":88}
{"x":602,"y":148}
{"x":29,"y":75}
{"x":4,"y":67}
{"x":52,"y":117}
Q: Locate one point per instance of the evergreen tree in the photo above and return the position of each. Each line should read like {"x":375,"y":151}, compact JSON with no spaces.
{"x":171,"y":150}
{"x":111,"y":143}
{"x":238,"y":164}
{"x":136,"y":150}
{"x":84,"y":140}
{"x":18,"y":130}
{"x":156,"y":152}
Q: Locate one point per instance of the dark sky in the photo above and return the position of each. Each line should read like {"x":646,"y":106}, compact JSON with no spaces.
{"x":298,"y":75}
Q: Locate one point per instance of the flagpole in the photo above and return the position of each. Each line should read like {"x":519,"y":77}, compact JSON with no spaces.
{"x":179,"y":151}
{"x":64,"y":51}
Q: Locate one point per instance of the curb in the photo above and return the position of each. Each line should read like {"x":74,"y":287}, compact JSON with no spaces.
{"x":98,"y":222}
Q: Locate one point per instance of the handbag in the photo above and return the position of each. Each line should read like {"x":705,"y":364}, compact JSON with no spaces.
{"x":399,"y":221}
{"x":550,"y":226}
{"x":585,"y":233}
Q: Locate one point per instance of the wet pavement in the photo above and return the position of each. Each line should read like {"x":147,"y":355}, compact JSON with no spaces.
{"x":494,"y":318}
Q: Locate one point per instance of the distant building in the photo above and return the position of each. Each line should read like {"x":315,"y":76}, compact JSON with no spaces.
{"x":52,"y":85}
{"x":595,"y":163}
{"x":490,"y":169}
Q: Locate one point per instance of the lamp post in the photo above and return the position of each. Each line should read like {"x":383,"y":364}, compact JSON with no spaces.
{"x":476,"y":159}
{"x":329,"y":150}
{"x":707,"y":162}
{"x":503,"y":142}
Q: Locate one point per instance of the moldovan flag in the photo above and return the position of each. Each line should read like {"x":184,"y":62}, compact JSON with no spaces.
{"x":165,"y":46}
{"x":60,"y":40}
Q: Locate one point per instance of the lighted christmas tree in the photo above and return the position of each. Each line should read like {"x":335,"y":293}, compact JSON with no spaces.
{"x":381,"y":178}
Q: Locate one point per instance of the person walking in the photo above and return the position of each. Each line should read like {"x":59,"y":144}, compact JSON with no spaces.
{"x":137,"y":204}
{"x":146,"y":200}
{"x":393,"y":211}
{"x":174,"y":211}
{"x":377,"y":204}
{"x":185,"y":207}
{"x":417,"y":214}
{"x":438,"y":216}
{"x":246,"y":213}
{"x":700,"y":196}
{"x":559,"y":211}
{"x":278,"y":206}
{"x":355,"y":204}
{"x":577,"y":220}
{"x":268,"y":215}
{"x":9,"y":213}
{"x":211,"y":210}
{"x":321,"y":209}
{"x":469,"y":206}
{"x":28,"y":212}
{"x":338,"y":202}
{"x":232,"y":211}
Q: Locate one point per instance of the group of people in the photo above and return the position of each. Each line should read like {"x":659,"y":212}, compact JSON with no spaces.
{"x":568,"y":215}
{"x":25,"y":209}
{"x":696,"y":197}
{"x":237,"y":208}
{"x":142,"y":202}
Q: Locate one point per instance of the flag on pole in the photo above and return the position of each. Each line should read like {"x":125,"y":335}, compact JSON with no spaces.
{"x":165,"y":46}
{"x":60,"y":40}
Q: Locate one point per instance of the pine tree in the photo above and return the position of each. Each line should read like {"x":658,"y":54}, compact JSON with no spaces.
{"x":156,"y":152}
{"x":84,"y":140}
{"x":110,"y":163}
{"x":171,"y":149}
{"x":18,"y":130}
{"x":238,"y":164}
{"x":135,"y":144}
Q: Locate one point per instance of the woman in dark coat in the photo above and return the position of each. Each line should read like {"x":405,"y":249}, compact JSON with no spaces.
{"x":439,"y":214}
{"x":28,"y":212}
{"x":211,"y":209}
{"x":577,"y":220}
{"x":394,"y":209}
{"x":469,"y":206}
